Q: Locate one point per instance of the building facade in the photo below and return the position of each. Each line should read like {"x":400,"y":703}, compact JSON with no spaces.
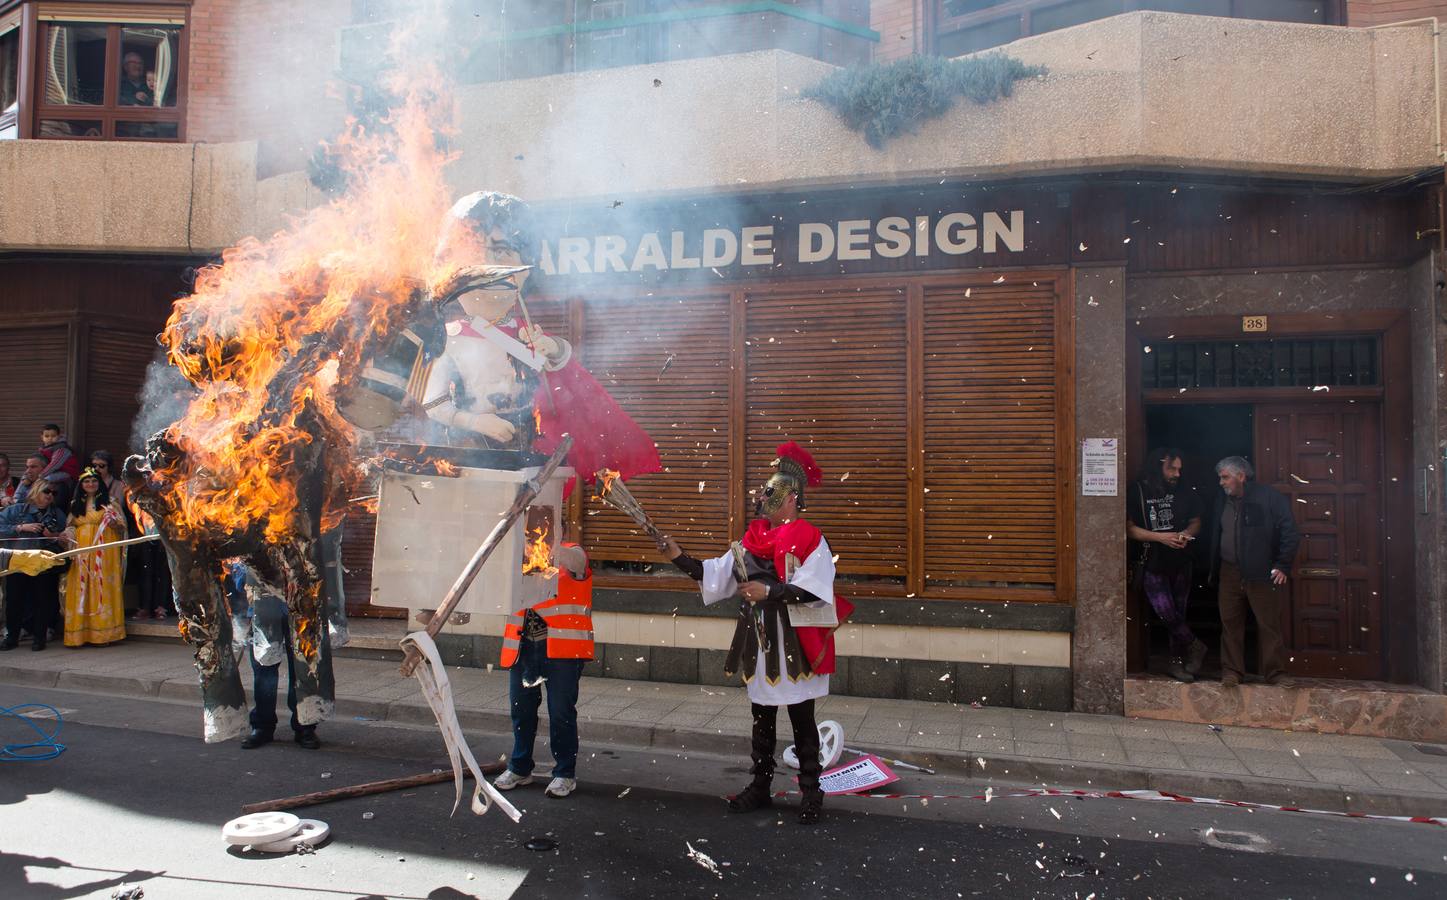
{"x":1203,"y":226}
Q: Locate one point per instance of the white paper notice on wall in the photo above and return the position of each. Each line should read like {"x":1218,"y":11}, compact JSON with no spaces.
{"x":1099,"y":460}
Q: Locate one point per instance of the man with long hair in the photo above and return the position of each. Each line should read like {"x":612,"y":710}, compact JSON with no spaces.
{"x":1162,"y":521}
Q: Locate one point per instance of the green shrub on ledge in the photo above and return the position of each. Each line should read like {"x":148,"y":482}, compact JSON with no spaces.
{"x":890,"y":99}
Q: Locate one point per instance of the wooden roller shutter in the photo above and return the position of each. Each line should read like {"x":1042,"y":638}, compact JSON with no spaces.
{"x":115,"y":373}
{"x":34,"y":367}
{"x":828,"y":369}
{"x":665,"y":359}
{"x":991,"y":501}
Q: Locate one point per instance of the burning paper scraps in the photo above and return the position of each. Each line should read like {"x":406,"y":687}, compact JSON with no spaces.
{"x":703,"y":859}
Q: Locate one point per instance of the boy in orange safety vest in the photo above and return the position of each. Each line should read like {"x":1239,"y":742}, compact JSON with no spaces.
{"x":549,"y":643}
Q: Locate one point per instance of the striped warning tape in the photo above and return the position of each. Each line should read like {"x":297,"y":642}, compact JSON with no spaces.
{"x":1140,"y":795}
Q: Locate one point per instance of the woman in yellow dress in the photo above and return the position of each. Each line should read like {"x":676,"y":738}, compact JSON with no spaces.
{"x":94,"y":593}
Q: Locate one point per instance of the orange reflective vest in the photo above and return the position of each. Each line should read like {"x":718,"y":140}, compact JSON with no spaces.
{"x":569,"y":617}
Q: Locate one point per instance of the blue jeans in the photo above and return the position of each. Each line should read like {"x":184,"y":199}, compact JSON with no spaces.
{"x":562,"y":677}
{"x":264,"y":683}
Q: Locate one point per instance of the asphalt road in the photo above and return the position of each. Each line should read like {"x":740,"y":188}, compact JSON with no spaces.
{"x":138,"y":799}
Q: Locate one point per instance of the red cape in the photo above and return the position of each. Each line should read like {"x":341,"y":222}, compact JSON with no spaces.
{"x":800,"y":539}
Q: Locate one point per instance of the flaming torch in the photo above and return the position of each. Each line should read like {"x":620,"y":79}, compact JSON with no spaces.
{"x":612,"y":491}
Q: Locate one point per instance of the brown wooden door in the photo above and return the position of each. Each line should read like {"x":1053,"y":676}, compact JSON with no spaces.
{"x":1326,"y":459}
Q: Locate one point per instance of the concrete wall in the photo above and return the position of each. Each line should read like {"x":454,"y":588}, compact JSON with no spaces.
{"x":1098,"y":654}
{"x":84,"y":196}
{"x":1144,"y":90}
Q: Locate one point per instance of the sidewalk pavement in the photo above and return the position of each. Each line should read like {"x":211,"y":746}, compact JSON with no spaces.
{"x":989,"y":745}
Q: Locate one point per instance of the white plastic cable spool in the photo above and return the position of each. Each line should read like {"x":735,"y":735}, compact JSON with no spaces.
{"x":260,"y":828}
{"x":831,"y":746}
{"x":312,"y":831}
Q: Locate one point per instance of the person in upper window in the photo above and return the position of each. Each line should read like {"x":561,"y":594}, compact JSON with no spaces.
{"x":134,"y":90}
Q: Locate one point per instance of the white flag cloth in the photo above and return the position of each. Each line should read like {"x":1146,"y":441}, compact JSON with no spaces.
{"x":432,"y":676}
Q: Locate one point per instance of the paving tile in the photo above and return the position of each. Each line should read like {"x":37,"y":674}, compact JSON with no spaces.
{"x":1342,"y":777}
{"x":1220,"y":765}
{"x":1040,"y":736}
{"x":986,"y":745}
{"x":685,"y":719}
{"x":1401,"y":781}
{"x":1083,"y":724}
{"x":1091,"y":739}
{"x":1112,"y":755}
{"x":1154,"y":759}
{"x":935,"y":741}
{"x":1041,"y":751}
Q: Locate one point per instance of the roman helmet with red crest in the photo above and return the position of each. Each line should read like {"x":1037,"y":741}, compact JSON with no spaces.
{"x":794,"y":469}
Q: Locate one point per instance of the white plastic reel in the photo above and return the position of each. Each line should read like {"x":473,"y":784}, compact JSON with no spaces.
{"x":831,"y":746}
{"x":260,"y":828}
{"x":312,"y":831}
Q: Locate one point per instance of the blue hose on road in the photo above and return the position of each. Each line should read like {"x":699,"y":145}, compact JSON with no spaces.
{"x":36,"y":751}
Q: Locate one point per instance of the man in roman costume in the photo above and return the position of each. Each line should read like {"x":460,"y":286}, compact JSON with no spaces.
{"x":784,"y":643}
{"x":504,"y":384}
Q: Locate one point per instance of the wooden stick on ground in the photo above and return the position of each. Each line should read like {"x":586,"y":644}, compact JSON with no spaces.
{"x":363,"y":790}
{"x":520,"y":503}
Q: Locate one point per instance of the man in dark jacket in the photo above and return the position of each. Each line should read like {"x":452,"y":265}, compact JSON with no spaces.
{"x":1252,"y":548}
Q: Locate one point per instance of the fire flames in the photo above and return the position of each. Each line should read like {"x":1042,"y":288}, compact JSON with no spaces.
{"x":270,"y":331}
{"x":606,"y":477}
{"x":446,"y":468}
{"x":538,"y":555}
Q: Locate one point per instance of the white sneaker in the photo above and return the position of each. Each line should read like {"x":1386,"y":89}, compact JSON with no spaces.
{"x":510,"y":779}
{"x":561,"y":787}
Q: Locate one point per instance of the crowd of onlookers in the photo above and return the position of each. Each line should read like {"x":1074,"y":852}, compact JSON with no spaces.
{"x":62,"y":501}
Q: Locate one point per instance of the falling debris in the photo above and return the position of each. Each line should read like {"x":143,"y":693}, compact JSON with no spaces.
{"x":703,"y":860}
{"x":658,"y":82}
{"x":700,"y":487}
{"x":666,"y":363}
{"x":128,"y":892}
{"x":625,"y":793}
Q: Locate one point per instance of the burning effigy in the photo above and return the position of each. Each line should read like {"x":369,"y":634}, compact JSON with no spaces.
{"x":294,"y":347}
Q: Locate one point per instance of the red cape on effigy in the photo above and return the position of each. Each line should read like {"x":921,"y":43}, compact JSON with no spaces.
{"x":604,"y":436}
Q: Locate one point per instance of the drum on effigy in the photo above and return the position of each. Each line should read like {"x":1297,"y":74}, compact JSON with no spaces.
{"x":379,"y":394}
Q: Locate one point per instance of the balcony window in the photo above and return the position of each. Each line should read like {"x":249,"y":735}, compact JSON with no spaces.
{"x":110,"y":81}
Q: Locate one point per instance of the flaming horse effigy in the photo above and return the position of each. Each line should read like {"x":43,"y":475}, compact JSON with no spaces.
{"x":274,"y":341}
{"x":294,"y":346}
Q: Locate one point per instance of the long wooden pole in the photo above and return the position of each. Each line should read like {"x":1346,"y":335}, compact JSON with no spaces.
{"x":520,"y":503}
{"x":364,"y":790}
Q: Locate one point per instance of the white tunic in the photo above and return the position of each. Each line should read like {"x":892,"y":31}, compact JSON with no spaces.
{"x":814,"y":574}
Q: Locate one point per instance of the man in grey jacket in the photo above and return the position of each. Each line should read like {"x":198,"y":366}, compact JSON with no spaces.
{"x":1252,"y":548}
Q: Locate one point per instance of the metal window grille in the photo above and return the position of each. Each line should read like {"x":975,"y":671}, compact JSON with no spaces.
{"x":1303,"y":362}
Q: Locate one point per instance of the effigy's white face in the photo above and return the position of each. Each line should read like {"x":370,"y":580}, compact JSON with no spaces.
{"x":494,"y":304}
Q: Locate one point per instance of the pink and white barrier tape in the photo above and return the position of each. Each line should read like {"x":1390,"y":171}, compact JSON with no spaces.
{"x":1142,"y":795}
